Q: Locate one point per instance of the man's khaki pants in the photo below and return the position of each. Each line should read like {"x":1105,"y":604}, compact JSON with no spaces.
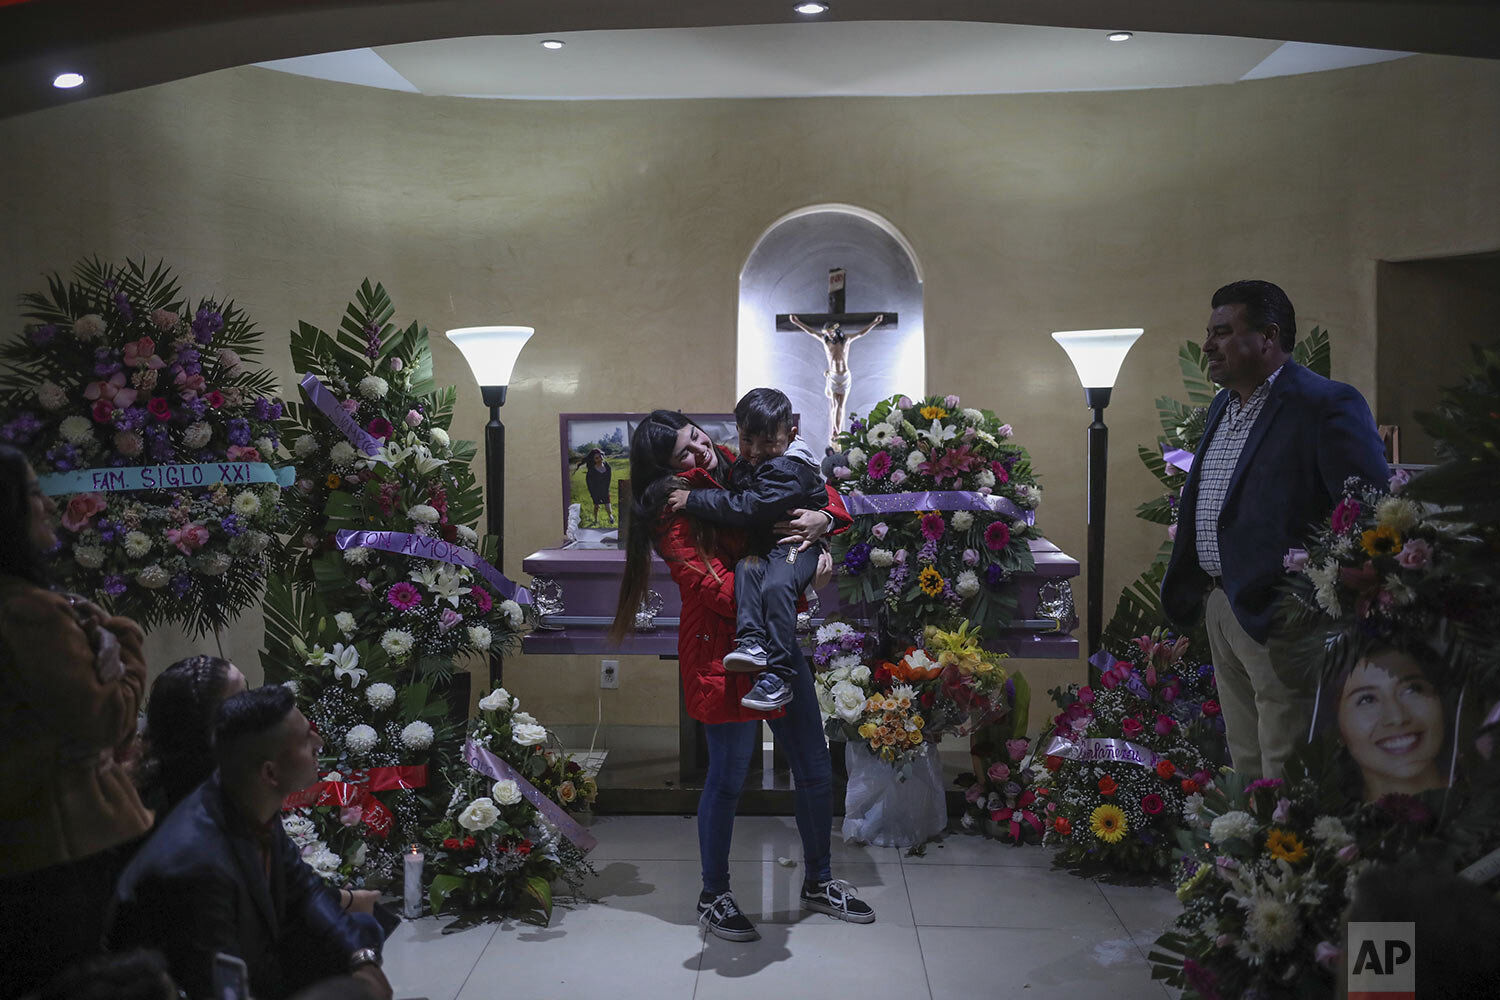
{"x":1264,"y":719}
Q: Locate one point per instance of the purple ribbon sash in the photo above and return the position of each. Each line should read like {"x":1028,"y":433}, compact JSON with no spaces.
{"x":408,"y":544}
{"x":1179,"y":457}
{"x":1094,"y":749}
{"x":318,"y":394}
{"x":906,"y":503}
{"x":496,"y":769}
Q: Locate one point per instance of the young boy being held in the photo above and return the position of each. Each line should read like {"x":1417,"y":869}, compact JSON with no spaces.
{"x":776,"y":473}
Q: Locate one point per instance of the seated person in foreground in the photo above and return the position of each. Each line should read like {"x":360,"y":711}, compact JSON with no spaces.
{"x":221,"y":875}
{"x":776,"y":473}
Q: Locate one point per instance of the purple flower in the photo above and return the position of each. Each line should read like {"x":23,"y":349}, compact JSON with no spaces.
{"x":928,"y":552}
{"x":1260,"y":783}
{"x":1200,"y":979}
{"x":856,"y":558}
{"x":231,"y":525}
{"x":372,"y":341}
{"x":994,"y":576}
{"x":266,"y":409}
{"x":239,"y":431}
{"x":207,"y":322}
{"x":114,"y":585}
{"x":971,"y":557}
{"x":181,"y":584}
{"x":42,"y":336}
{"x":123,"y":304}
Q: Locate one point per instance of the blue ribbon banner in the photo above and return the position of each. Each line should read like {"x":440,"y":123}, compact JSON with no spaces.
{"x":164,"y":477}
{"x":421,"y":547}
{"x":487,"y":764}
{"x":907,"y":503}
{"x":318,"y":394}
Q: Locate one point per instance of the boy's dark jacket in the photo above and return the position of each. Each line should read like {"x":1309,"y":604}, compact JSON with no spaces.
{"x":758,"y":496}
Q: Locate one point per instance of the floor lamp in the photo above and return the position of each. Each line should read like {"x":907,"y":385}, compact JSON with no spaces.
{"x":491,"y":352}
{"x":1097,"y":355}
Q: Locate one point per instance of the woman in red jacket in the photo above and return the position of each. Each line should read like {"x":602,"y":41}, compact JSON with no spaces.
{"x":668,"y":451}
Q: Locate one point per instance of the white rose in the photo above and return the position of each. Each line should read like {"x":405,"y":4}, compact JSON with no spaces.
{"x":967,"y":584}
{"x":76,"y":429}
{"x":137,"y":544}
{"x":914,"y":460}
{"x":848,"y":701}
{"x":416,"y":736}
{"x":51,"y":396}
{"x":835,"y":675}
{"x":88,"y":556}
{"x":423,"y":514}
{"x":396,"y":642}
{"x":324,"y":862}
{"x":513,"y":613}
{"x":497,"y":700}
{"x":438,"y":436}
{"x":985,"y":478}
{"x":361,"y":739}
{"x":879,"y":435}
{"x":859,"y":675}
{"x":373,"y":387}
{"x":479,"y":637}
{"x":342,"y":453}
{"x":345,"y":622}
{"x":246,"y":503}
{"x":825,"y":700}
{"x":357,"y":556}
{"x":882,"y":557}
{"x":962,"y":519}
{"x":523,"y":718}
{"x":506,"y":792}
{"x":380,"y":696}
{"x":306,"y":446}
{"x":857,"y":459}
{"x":528,"y":735}
{"x":88,"y":327}
{"x":480,"y":815}
{"x":197,"y":435}
{"x":468,"y":535}
{"x":153,"y":577}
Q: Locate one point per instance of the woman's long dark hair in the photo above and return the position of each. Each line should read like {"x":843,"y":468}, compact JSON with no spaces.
{"x":652,"y":477}
{"x":179,"y":728}
{"x":19,"y":555}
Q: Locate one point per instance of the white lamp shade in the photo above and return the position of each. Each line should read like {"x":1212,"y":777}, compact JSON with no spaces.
{"x":1097,"y":354}
{"x":491,"y":351}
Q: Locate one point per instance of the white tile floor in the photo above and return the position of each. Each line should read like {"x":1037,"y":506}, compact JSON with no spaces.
{"x":971,"y":918}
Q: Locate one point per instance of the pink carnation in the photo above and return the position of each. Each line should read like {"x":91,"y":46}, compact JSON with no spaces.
{"x":403,"y":596}
{"x":880,"y":464}
{"x":1415,"y":554}
{"x":163,"y":319}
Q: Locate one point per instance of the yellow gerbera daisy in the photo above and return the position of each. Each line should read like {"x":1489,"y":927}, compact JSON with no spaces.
{"x":933,"y":413}
{"x":1108,"y":823}
{"x":931,"y":582}
{"x":333,"y":481}
{"x":1286,"y":846}
{"x":1381,"y":541}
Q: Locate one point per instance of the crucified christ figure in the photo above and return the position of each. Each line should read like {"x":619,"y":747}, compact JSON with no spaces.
{"x":836,"y":346}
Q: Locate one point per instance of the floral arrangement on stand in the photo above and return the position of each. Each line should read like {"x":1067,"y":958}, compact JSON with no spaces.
{"x":493,"y":849}
{"x":1001,"y":795}
{"x":920,"y":565}
{"x":1120,"y":761}
{"x":143,"y":415}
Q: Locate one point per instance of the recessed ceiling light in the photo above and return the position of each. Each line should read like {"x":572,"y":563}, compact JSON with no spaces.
{"x":1120,"y":36}
{"x":552,"y":43}
{"x":67,"y":81}
{"x":811,"y":8}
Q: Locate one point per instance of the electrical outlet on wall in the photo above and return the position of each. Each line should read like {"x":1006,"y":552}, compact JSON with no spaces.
{"x":609,"y":673}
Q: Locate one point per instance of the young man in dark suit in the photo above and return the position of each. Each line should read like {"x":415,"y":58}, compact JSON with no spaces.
{"x":221,"y":875}
{"x":1279,"y":445}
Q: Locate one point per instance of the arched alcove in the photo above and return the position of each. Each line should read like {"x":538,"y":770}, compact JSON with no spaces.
{"x":787,"y":272}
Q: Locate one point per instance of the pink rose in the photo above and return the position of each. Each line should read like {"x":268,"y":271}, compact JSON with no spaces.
{"x":1016,"y":748}
{"x":880,"y":530}
{"x":363,"y":583}
{"x":189,"y":538}
{"x":1210,"y":708}
{"x":1164,"y":724}
{"x":350,"y":406}
{"x":1109,"y":681}
{"x":1398,"y":480}
{"x":1328,"y":955}
{"x":214,"y":398}
{"x":1295,"y":560}
{"x":81,"y":507}
{"x":448,"y":619}
{"x":1131,"y":727}
{"x":971,"y":557}
{"x":1172,"y":532}
{"x":898,"y":477}
{"x":188,"y":386}
{"x":163,"y":319}
{"x":243,"y":453}
{"x":974,"y":792}
{"x":842,"y":472}
{"x":901,"y":555}
{"x":1283,"y":811}
{"x":394,"y":362}
{"x":1086,"y":695}
{"x":142,"y":354}
{"x":999,"y":772}
{"x":950,"y":401}
{"x":160,"y":408}
{"x":1348,"y":854}
{"x":413,"y":418}
{"x":904,"y":402}
{"x":351,"y":815}
{"x":1006,"y":431}
{"x":1415,"y":554}
{"x":104,"y":411}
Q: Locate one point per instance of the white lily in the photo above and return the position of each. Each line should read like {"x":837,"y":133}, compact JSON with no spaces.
{"x":450,"y":585}
{"x":423,"y":460}
{"x":345,"y":661}
{"x":393,"y":453}
{"x":937,"y":433}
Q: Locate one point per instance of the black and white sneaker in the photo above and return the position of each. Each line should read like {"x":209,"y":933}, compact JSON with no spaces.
{"x":837,"y":899}
{"x":769,"y":693}
{"x":721,"y":917}
{"x":746,"y":658}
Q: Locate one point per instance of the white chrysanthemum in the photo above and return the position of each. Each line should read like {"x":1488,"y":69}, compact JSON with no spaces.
{"x":373,"y":387}
{"x":342,"y":453}
{"x":361,"y":739}
{"x":481,"y":814}
{"x":246,"y":503}
{"x":480,"y":637}
{"x":985,"y":477}
{"x":514,"y":616}
{"x":915,"y":459}
{"x":1330,"y":830}
{"x":357,"y":556}
{"x":528,"y":735}
{"x":438,"y":436}
{"x":1272,"y":924}
{"x":879,"y":435}
{"x":1398,"y":513}
{"x":848,"y":701}
{"x":345,"y":622}
{"x":1192,"y":808}
{"x":962,"y":520}
{"x":496,"y":701}
{"x":967,"y":584}
{"x":137,"y":544}
{"x":88,"y":327}
{"x":265,"y":446}
{"x":857,"y":459}
{"x":51,"y":396}
{"x":506,"y":792}
{"x":416,"y":736}
{"x":153,"y":577}
{"x":468,"y":535}
{"x":859,"y":674}
{"x":197,"y":435}
{"x":1029,"y":496}
{"x":214,"y":563}
{"x":396,"y":642}
{"x":846,"y":662}
{"x":88,"y":556}
{"x":255,"y":541}
{"x":380,"y":696}
{"x":423,"y":514}
{"x":832,"y":631}
{"x":971,"y":416}
{"x":76,"y":429}
{"x":881,"y":558}
{"x":306,"y":446}
{"x":1233,"y":825}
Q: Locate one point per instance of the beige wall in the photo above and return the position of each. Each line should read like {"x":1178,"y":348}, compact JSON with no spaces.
{"x":618,"y":230}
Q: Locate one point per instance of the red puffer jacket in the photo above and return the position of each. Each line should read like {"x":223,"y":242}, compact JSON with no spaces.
{"x":706,"y":633}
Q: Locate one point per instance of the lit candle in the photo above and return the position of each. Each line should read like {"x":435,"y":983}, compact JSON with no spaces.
{"x":412,"y":907}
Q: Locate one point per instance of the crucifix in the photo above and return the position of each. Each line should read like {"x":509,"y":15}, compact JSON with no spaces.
{"x":828,"y":329}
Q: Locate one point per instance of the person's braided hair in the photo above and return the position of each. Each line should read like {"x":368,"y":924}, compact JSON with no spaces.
{"x":179,"y":728}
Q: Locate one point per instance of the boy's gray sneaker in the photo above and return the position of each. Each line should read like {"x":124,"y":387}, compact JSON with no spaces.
{"x":746,"y":658}
{"x":769,"y":693}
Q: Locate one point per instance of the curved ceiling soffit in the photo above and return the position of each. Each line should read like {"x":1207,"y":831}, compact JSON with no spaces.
{"x":875,"y":218}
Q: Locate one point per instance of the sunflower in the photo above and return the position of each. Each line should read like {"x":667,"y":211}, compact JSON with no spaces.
{"x":1284,"y":845}
{"x":933,"y":413}
{"x":1108,"y":824}
{"x":931,"y":582}
{"x":1381,"y":541}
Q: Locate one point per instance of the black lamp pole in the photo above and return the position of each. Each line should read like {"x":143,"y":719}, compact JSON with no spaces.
{"x":1096,"y":399}
{"x":494,"y":482}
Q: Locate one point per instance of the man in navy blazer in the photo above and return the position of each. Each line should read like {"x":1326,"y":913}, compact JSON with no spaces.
{"x":1279,"y":445}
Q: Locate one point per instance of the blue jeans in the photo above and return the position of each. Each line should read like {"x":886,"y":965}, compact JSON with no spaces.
{"x":731,"y":746}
